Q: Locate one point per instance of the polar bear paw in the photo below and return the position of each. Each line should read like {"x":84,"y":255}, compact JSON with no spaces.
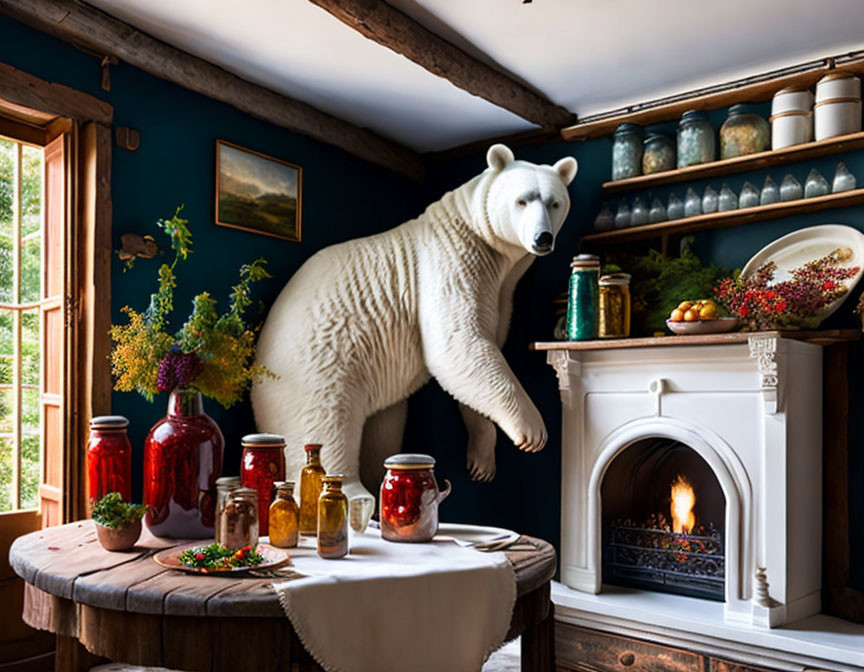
{"x":529,"y":434}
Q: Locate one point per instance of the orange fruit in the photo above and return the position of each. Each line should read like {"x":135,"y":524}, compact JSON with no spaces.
{"x":691,"y":316}
{"x":677,"y":315}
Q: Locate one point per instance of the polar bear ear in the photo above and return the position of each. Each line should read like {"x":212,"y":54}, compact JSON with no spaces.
{"x":566,"y":168}
{"x":499,"y":157}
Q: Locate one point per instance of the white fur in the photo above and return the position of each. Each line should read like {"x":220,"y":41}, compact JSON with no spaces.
{"x":362,"y":325}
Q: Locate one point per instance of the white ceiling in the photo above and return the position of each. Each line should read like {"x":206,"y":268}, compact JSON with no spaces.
{"x":586,"y":55}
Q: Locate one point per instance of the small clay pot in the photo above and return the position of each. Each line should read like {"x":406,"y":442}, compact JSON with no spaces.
{"x":118,"y":538}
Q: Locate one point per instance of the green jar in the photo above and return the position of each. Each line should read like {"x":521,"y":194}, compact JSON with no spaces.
{"x":583,"y":300}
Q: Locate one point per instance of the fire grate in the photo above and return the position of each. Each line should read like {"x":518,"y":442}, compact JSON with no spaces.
{"x":659,"y":559}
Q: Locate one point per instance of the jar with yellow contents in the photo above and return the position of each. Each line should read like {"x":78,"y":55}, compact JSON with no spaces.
{"x":333,"y":518}
{"x":284,"y":516}
{"x":614,"y":304}
{"x":310,"y":489}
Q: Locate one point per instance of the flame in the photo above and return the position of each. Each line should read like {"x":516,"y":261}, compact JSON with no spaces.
{"x":683,"y":501}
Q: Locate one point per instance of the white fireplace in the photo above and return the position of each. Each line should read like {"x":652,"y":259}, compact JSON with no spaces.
{"x":751,"y":408}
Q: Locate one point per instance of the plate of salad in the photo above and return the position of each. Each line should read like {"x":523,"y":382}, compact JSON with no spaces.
{"x":214,"y":558}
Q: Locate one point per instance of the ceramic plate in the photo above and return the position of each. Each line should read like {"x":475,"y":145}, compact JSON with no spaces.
{"x":718,"y":326}
{"x":170,"y":558}
{"x":471,"y":535}
{"x":797,"y":248}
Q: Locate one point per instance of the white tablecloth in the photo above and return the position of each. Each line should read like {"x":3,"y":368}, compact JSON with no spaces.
{"x":394,"y":607}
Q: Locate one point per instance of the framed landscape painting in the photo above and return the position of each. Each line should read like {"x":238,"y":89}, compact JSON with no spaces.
{"x":257,"y":193}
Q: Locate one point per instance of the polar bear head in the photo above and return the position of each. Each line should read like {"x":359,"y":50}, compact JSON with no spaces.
{"x":526,"y":203}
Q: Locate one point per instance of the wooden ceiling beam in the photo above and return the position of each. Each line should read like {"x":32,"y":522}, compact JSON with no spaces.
{"x":389,"y":27}
{"x":91,"y":29}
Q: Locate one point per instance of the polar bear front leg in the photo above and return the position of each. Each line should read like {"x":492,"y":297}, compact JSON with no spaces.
{"x":482,"y":438}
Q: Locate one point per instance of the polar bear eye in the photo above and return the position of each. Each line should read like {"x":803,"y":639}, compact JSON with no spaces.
{"x":555,"y":205}
{"x":522,"y":202}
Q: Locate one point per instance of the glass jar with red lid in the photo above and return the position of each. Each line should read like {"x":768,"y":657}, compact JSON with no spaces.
{"x":410,"y":498}
{"x":263,"y":464}
{"x":109,"y":458}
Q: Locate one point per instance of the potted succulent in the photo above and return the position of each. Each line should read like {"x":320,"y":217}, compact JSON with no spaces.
{"x":211,"y":355}
{"x":118,"y":523}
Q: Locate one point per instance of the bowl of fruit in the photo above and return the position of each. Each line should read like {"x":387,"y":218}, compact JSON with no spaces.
{"x":699,"y":317}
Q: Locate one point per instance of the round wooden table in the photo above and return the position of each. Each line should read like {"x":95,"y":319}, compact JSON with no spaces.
{"x":126,"y":608}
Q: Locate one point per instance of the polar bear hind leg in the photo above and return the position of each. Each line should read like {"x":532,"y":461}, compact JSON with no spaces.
{"x":382,"y":437}
{"x":482,"y":437}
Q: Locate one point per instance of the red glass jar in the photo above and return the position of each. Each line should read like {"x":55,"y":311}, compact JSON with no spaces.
{"x":182,"y":460}
{"x":263,"y":464}
{"x":410,"y":498}
{"x":109,"y":458}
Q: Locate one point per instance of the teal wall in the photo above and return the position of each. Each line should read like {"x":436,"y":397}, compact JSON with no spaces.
{"x":525,"y":494}
{"x":343,"y":197}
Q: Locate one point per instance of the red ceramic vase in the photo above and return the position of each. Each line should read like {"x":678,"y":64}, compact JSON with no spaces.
{"x":182,"y":460}
{"x":263,"y":464}
{"x":109,"y":458}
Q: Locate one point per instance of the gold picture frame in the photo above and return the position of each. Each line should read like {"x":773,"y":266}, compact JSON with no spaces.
{"x":258,"y":193}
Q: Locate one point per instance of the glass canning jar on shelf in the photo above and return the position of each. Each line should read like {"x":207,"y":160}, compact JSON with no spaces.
{"x":696,"y":142}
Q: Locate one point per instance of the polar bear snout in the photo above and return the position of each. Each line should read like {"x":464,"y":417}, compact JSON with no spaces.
{"x":543,"y":243}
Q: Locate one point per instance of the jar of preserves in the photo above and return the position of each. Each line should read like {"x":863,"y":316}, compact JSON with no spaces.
{"x":743,"y":132}
{"x":238,"y":519}
{"x":224,"y":485}
{"x":410,"y":498}
{"x":626,"y":151}
{"x":263,"y":464}
{"x":658,"y":155}
{"x":332,"y":518}
{"x":583,"y":297}
{"x":109,"y":458}
{"x":695,"y":139}
{"x":284,"y":516}
{"x":310,"y":489}
{"x":614,"y":319}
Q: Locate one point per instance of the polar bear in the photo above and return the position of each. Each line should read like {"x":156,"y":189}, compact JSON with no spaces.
{"x":362,"y":325}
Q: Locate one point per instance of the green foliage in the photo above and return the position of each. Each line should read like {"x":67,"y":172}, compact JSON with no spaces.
{"x":112,"y":511}
{"x":223,"y":342}
{"x":660,"y":283}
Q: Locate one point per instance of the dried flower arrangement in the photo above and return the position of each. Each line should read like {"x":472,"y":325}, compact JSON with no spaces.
{"x":211,"y":352}
{"x":799,"y":302}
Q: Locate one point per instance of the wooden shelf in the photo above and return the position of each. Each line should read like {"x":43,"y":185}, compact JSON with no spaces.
{"x":823,"y":337}
{"x":741,"y":164}
{"x":729,"y":218}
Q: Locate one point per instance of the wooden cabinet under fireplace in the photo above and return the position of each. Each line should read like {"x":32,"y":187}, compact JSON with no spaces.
{"x":583,"y":650}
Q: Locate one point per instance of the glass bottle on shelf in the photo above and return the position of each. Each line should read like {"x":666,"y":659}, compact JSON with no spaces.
{"x":583,"y":297}
{"x":333,"y":519}
{"x":626,"y":151}
{"x":844,"y":180}
{"x":749,"y":197}
{"x":639,"y":213}
{"x":657,"y":213}
{"x":605,"y":219}
{"x":709,"y":201}
{"x":791,"y":189}
{"x":727,"y":199}
{"x":815,"y":184}
{"x":284,"y":516}
{"x":743,"y":132}
{"x":675,"y":207}
{"x":622,"y":216}
{"x":692,"y":203}
{"x":310,"y":489}
{"x":770,"y":192}
{"x":696,"y":142}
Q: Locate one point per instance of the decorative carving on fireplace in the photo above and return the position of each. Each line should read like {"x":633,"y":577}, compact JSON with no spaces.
{"x":764,"y":350}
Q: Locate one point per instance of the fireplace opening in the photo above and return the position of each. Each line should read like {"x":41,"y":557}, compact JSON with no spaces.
{"x":663,"y":514}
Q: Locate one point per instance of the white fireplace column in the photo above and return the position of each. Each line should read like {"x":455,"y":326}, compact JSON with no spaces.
{"x":751,"y":407}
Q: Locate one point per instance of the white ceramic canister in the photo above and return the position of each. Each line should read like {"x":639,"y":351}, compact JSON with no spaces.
{"x":791,"y":117}
{"x":838,"y":105}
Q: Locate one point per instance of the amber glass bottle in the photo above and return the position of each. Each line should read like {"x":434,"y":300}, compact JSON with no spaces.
{"x":310,"y":489}
{"x":333,"y":519}
{"x":284,"y":516}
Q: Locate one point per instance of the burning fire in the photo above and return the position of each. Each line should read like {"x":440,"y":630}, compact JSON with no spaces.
{"x":683,"y":501}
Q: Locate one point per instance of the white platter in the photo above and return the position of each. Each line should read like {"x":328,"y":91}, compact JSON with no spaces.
{"x":797,"y":248}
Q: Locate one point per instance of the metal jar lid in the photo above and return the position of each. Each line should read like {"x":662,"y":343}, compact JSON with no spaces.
{"x":614,"y":279}
{"x":228,"y":482}
{"x":409,"y":461}
{"x":627,"y":128}
{"x":585,"y":261}
{"x":311,"y":447}
{"x":335,"y":479}
{"x":283,"y":485}
{"x":263,"y":440}
{"x":244,"y":493}
{"x":108,"y":422}
{"x":693,"y":115}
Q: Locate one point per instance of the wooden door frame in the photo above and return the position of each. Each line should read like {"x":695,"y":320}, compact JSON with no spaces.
{"x":87,"y":121}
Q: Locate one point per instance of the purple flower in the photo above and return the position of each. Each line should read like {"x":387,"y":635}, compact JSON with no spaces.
{"x":178,"y":369}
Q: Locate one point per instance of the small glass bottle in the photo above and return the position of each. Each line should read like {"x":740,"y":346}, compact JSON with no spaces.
{"x":614,"y":319}
{"x":224,"y":485}
{"x":284,"y":516}
{"x":583,"y":298}
{"x":310,"y":489}
{"x":109,"y":458}
{"x":238,"y":525}
{"x":333,"y":519}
